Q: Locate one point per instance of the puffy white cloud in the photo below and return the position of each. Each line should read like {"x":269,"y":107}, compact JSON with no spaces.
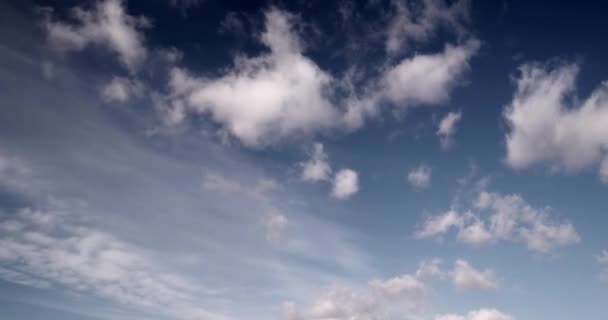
{"x":264,"y":98}
{"x":395,"y":298}
{"x":106,"y":24}
{"x":508,"y":217}
{"x":317,"y":167}
{"x":420,"y":177}
{"x":447,"y":128}
{"x":481,"y":314}
{"x":423,"y":79}
{"x":548,"y":127}
{"x":419,"y":22}
{"x":121,"y":89}
{"x":428,"y":79}
{"x":346,"y":183}
{"x":49,"y":248}
{"x":464,"y":276}
{"x":602,"y":259}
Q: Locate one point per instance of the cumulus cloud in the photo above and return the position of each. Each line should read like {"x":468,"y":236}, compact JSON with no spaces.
{"x":428,"y":79}
{"x":447,"y":128}
{"x":423,"y":79}
{"x":106,"y":24}
{"x":602,"y":259}
{"x":413,"y":24}
{"x":420,"y":177}
{"x":481,"y":314}
{"x":50,"y":248}
{"x":121,"y":89}
{"x":466,"y":277}
{"x":400,"y":297}
{"x":317,"y":168}
{"x":548,"y":127}
{"x":346,"y":183}
{"x":267,"y":97}
{"x":502,"y":217}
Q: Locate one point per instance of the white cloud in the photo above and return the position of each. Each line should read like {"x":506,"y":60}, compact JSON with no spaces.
{"x":464,"y":276}
{"x":602,"y":259}
{"x":423,"y":79}
{"x":440,"y":224}
{"x":317,"y":167}
{"x":447,"y":128}
{"x":502,"y":218}
{"x":420,"y":177}
{"x":106,"y":24}
{"x":428,"y":79}
{"x":47,"y":248}
{"x":346,"y":183}
{"x":481,"y":314}
{"x":395,"y":298}
{"x":548,"y":127}
{"x":266,"y":98}
{"x":121,"y":89}
{"x":419,"y":22}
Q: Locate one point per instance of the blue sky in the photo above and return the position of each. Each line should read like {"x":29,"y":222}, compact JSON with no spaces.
{"x":381,"y":160}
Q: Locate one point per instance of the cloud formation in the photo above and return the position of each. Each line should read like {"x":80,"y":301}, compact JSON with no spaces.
{"x":546,"y":127}
{"x":267,"y":97}
{"x":317,"y":168}
{"x":502,"y":217}
{"x":107,"y":25}
{"x":395,"y":298}
{"x":48,"y":248}
{"x":346,"y":183}
{"x":420,"y":177}
{"x":466,"y":277}
{"x":447,"y":128}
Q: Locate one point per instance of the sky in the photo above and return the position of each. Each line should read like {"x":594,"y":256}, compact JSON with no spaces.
{"x":303,"y":160}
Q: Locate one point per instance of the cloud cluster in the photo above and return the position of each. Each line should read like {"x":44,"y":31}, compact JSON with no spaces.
{"x":393,"y":298}
{"x":317,"y":168}
{"x":47,"y":248}
{"x":420,"y":177}
{"x":502,"y":217}
{"x":447,"y":128}
{"x":403,"y":297}
{"x":546,"y":126}
{"x":106,"y":25}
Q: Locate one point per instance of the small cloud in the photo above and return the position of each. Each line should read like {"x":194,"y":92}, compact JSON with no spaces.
{"x":317,"y":167}
{"x":420,"y":177}
{"x":447,"y":128}
{"x":466,"y":277}
{"x":346,"y":183}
